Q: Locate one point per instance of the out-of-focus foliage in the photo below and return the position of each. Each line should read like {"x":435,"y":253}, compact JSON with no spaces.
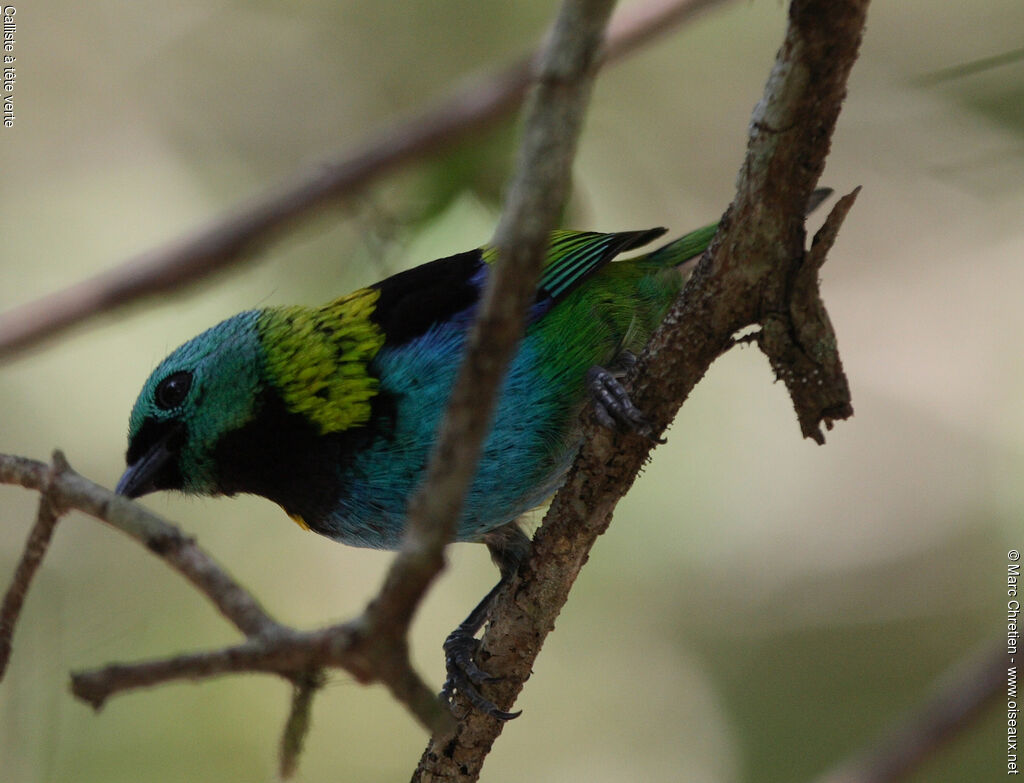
{"x":760,"y":607}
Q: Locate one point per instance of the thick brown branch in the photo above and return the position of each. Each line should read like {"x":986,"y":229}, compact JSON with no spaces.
{"x":234,"y":237}
{"x":759,"y":249}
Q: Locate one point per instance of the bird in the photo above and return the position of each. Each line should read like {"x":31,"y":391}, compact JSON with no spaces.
{"x":330,"y":411}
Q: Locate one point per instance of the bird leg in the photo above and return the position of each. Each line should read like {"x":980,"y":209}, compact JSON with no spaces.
{"x":509,"y":546}
{"x":612,"y":405}
{"x":459,"y":648}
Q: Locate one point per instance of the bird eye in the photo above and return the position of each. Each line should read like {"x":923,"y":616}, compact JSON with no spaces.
{"x":172,"y":390}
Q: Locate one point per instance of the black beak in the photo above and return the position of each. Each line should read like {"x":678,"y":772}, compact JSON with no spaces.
{"x":156,"y":468}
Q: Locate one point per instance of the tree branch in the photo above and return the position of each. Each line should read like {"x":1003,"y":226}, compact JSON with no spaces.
{"x":70,"y":490}
{"x":374,"y":647}
{"x":745,"y":275}
{"x":236,"y":236}
{"x":553,"y":123}
{"x":756,"y":272}
{"x":288,"y":653}
{"x":32,"y":556}
{"x":299,"y":721}
{"x":269,"y":647}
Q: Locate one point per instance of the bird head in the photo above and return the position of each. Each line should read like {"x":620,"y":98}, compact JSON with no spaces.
{"x":202,"y":391}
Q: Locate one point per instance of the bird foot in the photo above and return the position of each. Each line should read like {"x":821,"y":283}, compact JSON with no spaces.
{"x":612,"y":405}
{"x":464,"y":675}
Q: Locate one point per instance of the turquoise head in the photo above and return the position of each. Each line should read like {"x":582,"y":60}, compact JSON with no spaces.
{"x":203,"y":390}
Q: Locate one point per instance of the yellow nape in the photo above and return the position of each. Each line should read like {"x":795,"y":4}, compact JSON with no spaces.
{"x":317,"y":358}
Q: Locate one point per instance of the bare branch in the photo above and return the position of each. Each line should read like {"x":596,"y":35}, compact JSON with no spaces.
{"x":270,"y":646}
{"x":98,"y":685}
{"x":537,"y":194}
{"x":637,"y":25}
{"x":236,"y":236}
{"x":799,"y":341}
{"x":32,"y":557}
{"x":757,"y":272}
{"x":71,"y":490}
{"x":960,"y":697}
{"x":297,"y":727}
{"x":290,"y":654}
{"x":760,"y":245}
{"x":373,"y":647}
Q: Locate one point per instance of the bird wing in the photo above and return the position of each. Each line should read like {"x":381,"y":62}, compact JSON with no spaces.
{"x":448,"y":289}
{"x":573,"y":256}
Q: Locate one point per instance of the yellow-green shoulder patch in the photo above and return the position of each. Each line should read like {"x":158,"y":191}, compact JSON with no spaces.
{"x":318,"y":357}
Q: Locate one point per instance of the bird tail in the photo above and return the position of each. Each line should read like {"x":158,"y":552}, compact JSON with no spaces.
{"x":689,"y":246}
{"x":679,"y":251}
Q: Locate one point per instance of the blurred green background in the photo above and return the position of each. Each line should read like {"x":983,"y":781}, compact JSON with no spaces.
{"x":760,"y":608}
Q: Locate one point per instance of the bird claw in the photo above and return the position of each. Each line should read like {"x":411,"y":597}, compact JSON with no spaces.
{"x":459,"y":649}
{"x":613,"y":407}
{"x":464,"y":675}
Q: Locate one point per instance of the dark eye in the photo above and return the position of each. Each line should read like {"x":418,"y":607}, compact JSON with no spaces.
{"x":172,"y":390}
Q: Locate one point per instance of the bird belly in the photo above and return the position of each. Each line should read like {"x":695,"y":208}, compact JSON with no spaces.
{"x":533,"y":438}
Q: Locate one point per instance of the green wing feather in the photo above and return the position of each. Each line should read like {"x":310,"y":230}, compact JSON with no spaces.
{"x":573,"y":256}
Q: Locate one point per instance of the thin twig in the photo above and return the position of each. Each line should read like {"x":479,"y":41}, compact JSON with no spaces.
{"x":958,"y":698}
{"x":232,"y":238}
{"x":270,"y":647}
{"x":297,"y":726}
{"x":38,"y":542}
{"x":970,"y":68}
{"x":759,"y":246}
{"x":536,"y":196}
{"x":284,"y":654}
{"x":72,"y":490}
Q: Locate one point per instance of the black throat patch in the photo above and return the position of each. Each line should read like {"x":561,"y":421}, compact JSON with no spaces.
{"x":283,"y":457}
